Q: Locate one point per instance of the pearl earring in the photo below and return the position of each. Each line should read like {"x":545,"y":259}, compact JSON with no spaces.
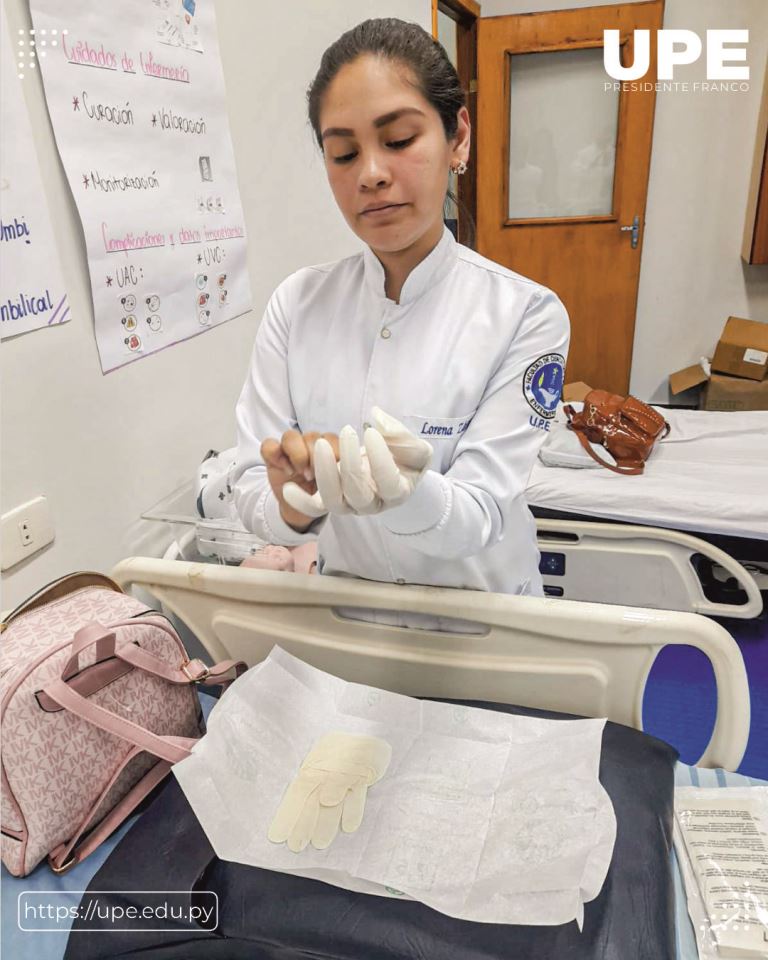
{"x":460,"y":167}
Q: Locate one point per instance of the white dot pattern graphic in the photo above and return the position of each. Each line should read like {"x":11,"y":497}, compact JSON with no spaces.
{"x":29,"y":48}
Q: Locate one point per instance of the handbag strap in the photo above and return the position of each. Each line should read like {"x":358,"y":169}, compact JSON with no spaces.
{"x":189,"y":671}
{"x":68,"y":854}
{"x":172,"y":749}
{"x":579,"y":431}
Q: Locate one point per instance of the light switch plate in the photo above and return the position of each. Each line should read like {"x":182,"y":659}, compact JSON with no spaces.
{"x":25,"y":530}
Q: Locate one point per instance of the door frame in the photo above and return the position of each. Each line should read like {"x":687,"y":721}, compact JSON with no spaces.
{"x":465,"y":13}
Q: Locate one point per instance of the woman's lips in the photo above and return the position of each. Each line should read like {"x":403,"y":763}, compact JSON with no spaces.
{"x":383,"y":211}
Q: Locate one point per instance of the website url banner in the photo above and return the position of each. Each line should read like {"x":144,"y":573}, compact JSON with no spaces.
{"x":117,"y":910}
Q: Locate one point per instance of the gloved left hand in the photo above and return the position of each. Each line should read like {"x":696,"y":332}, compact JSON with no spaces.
{"x":329,"y":790}
{"x":382,"y":474}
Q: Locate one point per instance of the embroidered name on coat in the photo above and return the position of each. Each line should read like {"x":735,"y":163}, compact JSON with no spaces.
{"x":442,"y":429}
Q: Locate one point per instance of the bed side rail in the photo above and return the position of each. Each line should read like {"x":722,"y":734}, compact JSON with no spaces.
{"x":637,"y":566}
{"x":585,"y":658}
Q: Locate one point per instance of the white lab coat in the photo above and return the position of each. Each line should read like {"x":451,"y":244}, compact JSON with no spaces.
{"x":468,"y":359}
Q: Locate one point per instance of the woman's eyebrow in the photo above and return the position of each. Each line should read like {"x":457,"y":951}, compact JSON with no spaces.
{"x":378,"y":122}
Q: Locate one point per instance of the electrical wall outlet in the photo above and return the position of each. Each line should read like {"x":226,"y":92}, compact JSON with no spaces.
{"x":25,"y":533}
{"x":25,"y":530}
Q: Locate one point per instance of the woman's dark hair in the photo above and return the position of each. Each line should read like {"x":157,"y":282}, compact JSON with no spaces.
{"x":400,"y":42}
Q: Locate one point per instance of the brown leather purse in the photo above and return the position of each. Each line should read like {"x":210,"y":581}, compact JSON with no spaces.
{"x":626,"y":427}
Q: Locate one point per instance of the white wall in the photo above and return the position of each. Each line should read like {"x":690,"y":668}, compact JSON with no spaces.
{"x":102,"y":449}
{"x":692,"y":276}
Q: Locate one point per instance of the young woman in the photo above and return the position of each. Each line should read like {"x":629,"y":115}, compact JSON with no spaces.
{"x":447,"y":365}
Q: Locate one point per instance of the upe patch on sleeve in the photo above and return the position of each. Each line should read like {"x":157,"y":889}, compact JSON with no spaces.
{"x":543,"y":384}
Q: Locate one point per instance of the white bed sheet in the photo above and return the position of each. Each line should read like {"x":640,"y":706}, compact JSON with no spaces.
{"x":710,"y":475}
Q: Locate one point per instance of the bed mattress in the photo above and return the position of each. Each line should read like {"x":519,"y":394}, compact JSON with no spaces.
{"x":47,"y":946}
{"x":710,"y":475}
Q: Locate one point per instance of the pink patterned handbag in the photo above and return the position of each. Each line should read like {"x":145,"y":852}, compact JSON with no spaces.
{"x":97,"y":701}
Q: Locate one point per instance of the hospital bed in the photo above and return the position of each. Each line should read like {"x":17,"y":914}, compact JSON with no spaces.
{"x":580,"y":560}
{"x":589,"y":659}
{"x":700,"y":504}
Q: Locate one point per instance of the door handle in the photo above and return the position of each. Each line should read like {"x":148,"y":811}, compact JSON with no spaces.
{"x":635,"y":230}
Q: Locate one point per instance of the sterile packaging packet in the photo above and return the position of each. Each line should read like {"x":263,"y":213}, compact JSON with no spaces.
{"x":481,"y":815}
{"x":721,"y":841}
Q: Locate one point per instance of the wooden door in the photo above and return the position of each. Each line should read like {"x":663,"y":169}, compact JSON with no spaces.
{"x":562,"y":170}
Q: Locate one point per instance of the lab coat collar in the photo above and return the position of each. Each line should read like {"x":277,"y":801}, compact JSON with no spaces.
{"x":424,"y":275}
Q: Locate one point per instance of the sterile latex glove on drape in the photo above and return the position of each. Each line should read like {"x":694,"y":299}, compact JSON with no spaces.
{"x":366,"y":480}
{"x":330,"y":790}
{"x":482,"y":815}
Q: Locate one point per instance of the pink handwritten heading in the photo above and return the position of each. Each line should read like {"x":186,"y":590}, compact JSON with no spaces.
{"x":131,"y":241}
{"x":153,"y":68}
{"x":83,"y":52}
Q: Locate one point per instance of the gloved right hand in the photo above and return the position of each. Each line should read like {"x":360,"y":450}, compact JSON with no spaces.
{"x":329,"y":790}
{"x":369,"y":479}
{"x":291,"y":460}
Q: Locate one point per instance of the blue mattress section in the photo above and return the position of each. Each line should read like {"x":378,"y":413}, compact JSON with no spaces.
{"x":681,"y":698}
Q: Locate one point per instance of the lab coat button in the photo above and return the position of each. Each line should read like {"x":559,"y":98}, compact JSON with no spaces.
{"x":400,"y":580}
{"x":386,"y":333}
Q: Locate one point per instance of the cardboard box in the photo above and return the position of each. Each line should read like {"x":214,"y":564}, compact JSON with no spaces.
{"x":742,"y":350}
{"x":687,"y":378}
{"x":742,"y":354}
{"x":735,"y":393}
{"x":575,"y":392}
{"x":721,"y":392}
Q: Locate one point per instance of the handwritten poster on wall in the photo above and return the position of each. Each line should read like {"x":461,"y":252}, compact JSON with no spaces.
{"x":136,"y":95}
{"x":32,"y":293}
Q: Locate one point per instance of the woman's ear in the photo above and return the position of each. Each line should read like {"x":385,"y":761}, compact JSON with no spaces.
{"x":463,"y":138}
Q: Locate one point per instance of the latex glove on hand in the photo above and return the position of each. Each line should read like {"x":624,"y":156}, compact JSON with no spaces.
{"x":289,"y":460}
{"x":330,"y":790}
{"x":380,"y":475}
